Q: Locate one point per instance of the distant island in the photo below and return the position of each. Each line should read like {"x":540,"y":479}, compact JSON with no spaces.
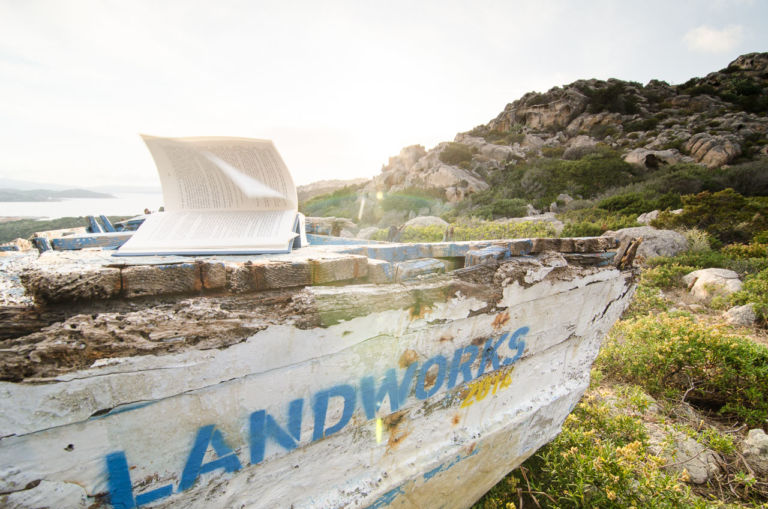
{"x":14,"y":195}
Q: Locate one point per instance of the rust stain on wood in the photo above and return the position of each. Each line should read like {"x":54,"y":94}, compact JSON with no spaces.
{"x":500,"y":320}
{"x":407,"y":358}
{"x":429,"y":380}
{"x":419,"y":310}
{"x":393,"y":422}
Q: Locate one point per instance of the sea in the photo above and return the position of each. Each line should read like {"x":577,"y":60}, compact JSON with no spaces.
{"x":123,"y":204}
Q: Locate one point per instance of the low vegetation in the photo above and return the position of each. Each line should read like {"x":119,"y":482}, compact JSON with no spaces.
{"x":456,"y":154}
{"x":601,"y":459}
{"x":24,"y":228}
{"x":660,"y":369}
{"x":473,"y":229}
{"x":674,"y":356}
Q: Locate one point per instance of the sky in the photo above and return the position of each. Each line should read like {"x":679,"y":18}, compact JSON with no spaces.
{"x":339,"y":86}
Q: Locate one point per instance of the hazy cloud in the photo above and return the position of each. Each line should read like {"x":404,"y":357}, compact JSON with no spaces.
{"x":711,"y":40}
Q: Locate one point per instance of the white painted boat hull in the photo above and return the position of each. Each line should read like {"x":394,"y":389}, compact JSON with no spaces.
{"x":427,"y":405}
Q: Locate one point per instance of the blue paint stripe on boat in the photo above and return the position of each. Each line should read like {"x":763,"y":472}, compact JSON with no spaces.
{"x":107,"y":224}
{"x":327,"y":240}
{"x":102,"y":240}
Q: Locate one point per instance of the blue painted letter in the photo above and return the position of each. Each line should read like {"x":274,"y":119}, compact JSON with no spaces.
{"x":264,"y":425}
{"x":206,"y":436}
{"x":321,"y":409}
{"x":490,"y":354}
{"x":120,"y":490}
{"x":462,"y":367}
{"x":397,"y":395}
{"x":421,"y":391}
{"x":516,"y":344}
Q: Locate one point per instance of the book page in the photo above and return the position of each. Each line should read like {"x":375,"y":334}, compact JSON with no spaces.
{"x":213,"y":230}
{"x":220,"y":173}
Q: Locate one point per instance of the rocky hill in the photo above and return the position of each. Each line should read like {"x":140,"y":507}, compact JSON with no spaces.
{"x":712,"y":121}
{"x":309,"y":191}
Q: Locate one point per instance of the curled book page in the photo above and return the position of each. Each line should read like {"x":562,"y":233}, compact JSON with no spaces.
{"x":251,"y":187}
{"x":222,"y":195}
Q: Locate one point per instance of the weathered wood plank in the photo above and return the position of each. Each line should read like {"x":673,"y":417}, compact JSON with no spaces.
{"x":213,"y":275}
{"x":450,"y":249}
{"x":102,"y":240}
{"x":574,"y":245}
{"x":182,"y":278}
{"x":334,"y":304}
{"x":107,"y":224}
{"x":380,"y":271}
{"x":42,"y":243}
{"x":338,"y":269}
{"x":325,"y":240}
{"x":281,"y":275}
{"x":93,"y":225}
{"x":71,"y":284}
{"x":413,"y":268}
{"x":591,"y":259}
{"x":490,"y":254}
{"x":18,"y":321}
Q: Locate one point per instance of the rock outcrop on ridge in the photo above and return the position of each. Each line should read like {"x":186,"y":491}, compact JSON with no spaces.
{"x":710,"y":121}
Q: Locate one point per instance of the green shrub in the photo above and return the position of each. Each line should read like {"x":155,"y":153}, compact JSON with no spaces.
{"x":541,"y":180}
{"x":600,"y":459}
{"x":726,"y":215}
{"x":755,"y":292}
{"x":602,"y":131}
{"x":613,"y":98}
{"x":630,"y":203}
{"x":584,"y":229}
{"x":509,"y":207}
{"x":674,"y":355}
{"x":473,"y":230}
{"x":742,"y":251}
{"x":744,"y":92}
{"x":712,"y":259}
{"x":432,"y":233}
{"x":665,"y":276}
{"x":675,"y":143}
{"x":591,"y":222}
{"x":646,"y":300}
{"x":505,"y":138}
{"x":339,"y":203}
{"x":456,"y":153}
{"x":404,"y":202}
{"x":381,"y":234}
{"x":553,"y":152}
{"x":698,"y":241}
{"x":642,"y":124}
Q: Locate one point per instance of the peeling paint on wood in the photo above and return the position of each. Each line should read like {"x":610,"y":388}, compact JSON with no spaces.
{"x":222,"y":382}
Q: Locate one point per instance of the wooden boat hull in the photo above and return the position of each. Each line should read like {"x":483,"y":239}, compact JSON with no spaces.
{"x":418,"y":394}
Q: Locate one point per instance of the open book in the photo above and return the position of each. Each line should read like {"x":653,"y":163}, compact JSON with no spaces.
{"x":222,"y":196}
